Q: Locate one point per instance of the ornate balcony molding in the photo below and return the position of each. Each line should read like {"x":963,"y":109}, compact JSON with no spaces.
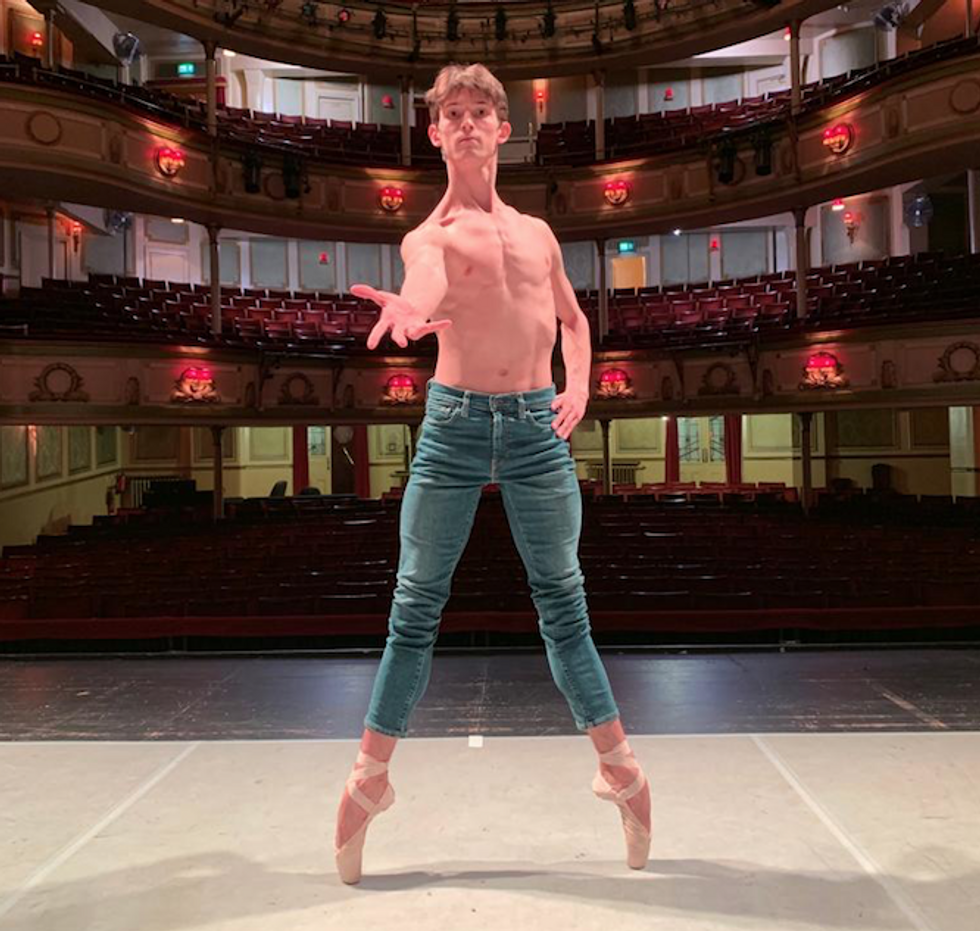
{"x":415,"y":43}
{"x":58,"y":145}
{"x":887,"y":366}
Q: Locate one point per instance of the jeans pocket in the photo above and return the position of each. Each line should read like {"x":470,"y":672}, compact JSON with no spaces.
{"x":442,"y":411}
{"x":541,"y":417}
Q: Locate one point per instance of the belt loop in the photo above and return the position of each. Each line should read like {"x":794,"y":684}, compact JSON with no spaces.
{"x":466,"y":403}
{"x":521,"y":406}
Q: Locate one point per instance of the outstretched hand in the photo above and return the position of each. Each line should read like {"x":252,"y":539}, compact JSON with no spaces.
{"x":571,"y":406}
{"x":397,"y":315}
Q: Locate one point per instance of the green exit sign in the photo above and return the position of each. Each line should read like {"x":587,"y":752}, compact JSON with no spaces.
{"x":626,"y":245}
{"x":186,"y":69}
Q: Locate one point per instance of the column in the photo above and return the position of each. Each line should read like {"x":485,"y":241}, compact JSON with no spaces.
{"x":49,"y":57}
{"x":606,"y":458}
{"x":301,"y":459}
{"x":968,"y":10}
{"x":600,"y":245}
{"x":599,"y":92}
{"x":806,"y":424}
{"x":802,"y":261}
{"x":406,"y":116}
{"x":211,"y":76}
{"x":973,"y":207}
{"x":49,"y":210}
{"x":672,"y":451}
{"x":794,"y":66}
{"x":733,"y":449}
{"x":213,"y":230}
{"x":218,"y":475}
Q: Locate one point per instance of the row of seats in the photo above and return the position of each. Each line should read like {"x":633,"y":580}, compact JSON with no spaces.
{"x":573,"y":142}
{"x":924,"y":287}
{"x":568,"y":143}
{"x":635,"y":557}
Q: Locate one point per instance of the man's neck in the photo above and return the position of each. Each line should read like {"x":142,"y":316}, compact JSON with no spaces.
{"x":473,"y":187}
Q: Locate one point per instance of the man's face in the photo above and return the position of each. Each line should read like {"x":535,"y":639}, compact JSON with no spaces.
{"x":468,"y":127}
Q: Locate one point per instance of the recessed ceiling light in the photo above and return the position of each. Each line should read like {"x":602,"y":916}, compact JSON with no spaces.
{"x":176,"y":219}
{"x":677,"y":232}
{"x":228,"y":53}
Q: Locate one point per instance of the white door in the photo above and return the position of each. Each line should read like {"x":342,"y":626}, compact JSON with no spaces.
{"x":702,"y":448}
{"x":34,"y":256}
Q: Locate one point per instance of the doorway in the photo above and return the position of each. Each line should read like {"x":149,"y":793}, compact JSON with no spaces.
{"x":629,"y":271}
{"x":702,"y":448}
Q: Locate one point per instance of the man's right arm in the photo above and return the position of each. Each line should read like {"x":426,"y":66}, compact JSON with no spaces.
{"x":425,"y":283}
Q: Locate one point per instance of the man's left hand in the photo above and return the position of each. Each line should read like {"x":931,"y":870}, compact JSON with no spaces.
{"x":571,"y":407}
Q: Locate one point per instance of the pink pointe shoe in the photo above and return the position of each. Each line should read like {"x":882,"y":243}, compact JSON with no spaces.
{"x":637,"y":836}
{"x":349,"y":855}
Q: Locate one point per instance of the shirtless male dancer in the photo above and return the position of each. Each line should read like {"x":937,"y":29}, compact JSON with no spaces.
{"x":490,"y":282}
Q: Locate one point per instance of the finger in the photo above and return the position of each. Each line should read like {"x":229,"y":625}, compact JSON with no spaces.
{"x":366,"y":291}
{"x":424,"y":329}
{"x":379,"y":330}
{"x":398,"y":335}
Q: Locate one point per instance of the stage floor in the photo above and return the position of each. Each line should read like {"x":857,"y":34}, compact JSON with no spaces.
{"x":817,"y":790}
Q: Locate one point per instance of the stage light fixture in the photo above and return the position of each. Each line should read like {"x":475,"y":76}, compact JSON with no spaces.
{"x":308,"y":11}
{"x":293,"y":176}
{"x":549,"y":22}
{"x":252,"y":171}
{"x":763,"y":154}
{"x":500,"y":24}
{"x":452,"y":25}
{"x":727,"y":153}
{"x":629,"y":15}
{"x":597,"y":44}
{"x":380,"y":24}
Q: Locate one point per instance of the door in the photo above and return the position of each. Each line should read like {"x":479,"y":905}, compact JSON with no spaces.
{"x":629,"y":271}
{"x":34,"y":256}
{"x":164,"y":265}
{"x":702,"y":448}
{"x":331,"y":106}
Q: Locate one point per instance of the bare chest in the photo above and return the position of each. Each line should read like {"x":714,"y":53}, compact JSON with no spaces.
{"x":504,"y":252}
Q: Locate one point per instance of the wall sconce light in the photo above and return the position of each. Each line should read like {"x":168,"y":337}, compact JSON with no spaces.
{"x":194,"y":385}
{"x":549,"y":22}
{"x":715,"y":245}
{"x":380,"y":24}
{"x":852,"y":223}
{"x":669,"y":93}
{"x":823,"y":370}
{"x":75,"y":229}
{"x":252,"y":171}
{"x":37,"y":40}
{"x":343,"y":15}
{"x":763,"y":154}
{"x":323,"y":258}
{"x":387,"y":102}
{"x":391,"y":198}
{"x":615,"y":383}
{"x":400,"y":389}
{"x":837,"y":206}
{"x":727,"y":156}
{"x":838,"y":138}
{"x":170,"y":161}
{"x":617,"y":192}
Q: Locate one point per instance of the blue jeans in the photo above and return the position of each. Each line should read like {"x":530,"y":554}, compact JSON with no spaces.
{"x":467,"y":440}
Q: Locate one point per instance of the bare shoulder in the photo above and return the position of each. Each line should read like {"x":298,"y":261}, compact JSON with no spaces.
{"x":427,"y":235}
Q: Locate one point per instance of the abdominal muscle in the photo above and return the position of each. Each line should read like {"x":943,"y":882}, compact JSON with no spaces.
{"x":497,"y":345}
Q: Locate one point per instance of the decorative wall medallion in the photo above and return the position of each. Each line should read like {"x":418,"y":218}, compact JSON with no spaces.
{"x":719,"y":378}
{"x":960,"y":362}
{"x":615,"y":383}
{"x":823,"y":371}
{"x":400,"y":389}
{"x":768,"y":383}
{"x":195,"y":386}
{"x":889,"y":375}
{"x":667,"y":388}
{"x":132,"y":394}
{"x":297,"y":389}
{"x":58,"y":382}
{"x":44,"y":128}
{"x":965,"y":96}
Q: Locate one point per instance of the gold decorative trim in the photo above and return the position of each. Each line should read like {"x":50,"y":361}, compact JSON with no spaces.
{"x":949,"y":372}
{"x":44,"y":128}
{"x":46,"y":391}
{"x":719,"y":379}
{"x":306,"y":395}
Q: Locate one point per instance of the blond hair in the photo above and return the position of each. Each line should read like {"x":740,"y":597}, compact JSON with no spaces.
{"x":476,"y":77}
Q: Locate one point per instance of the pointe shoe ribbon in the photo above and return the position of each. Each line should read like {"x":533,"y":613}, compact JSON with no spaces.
{"x":637,"y":836}
{"x":348,"y":856}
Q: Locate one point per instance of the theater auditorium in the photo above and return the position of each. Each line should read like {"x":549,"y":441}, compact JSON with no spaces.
{"x":714,"y":557}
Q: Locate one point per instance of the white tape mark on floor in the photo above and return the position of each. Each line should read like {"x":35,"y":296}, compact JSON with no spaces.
{"x":42,"y":872}
{"x":906,"y":705}
{"x":893,"y":890}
